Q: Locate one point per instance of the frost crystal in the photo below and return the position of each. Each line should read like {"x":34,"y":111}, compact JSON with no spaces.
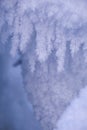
{"x":51,"y":37}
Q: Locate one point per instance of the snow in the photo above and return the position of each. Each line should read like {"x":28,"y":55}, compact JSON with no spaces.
{"x":75,"y":117}
{"x":50,"y":36}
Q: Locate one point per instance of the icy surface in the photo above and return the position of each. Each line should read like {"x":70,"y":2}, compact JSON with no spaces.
{"x":75,"y":117}
{"x":16,"y":112}
{"x":51,"y":38}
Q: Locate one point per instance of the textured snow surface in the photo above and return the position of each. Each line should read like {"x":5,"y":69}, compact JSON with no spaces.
{"x":75,"y":117}
{"x":51,"y":92}
{"x":49,"y":24}
{"x":51,"y":38}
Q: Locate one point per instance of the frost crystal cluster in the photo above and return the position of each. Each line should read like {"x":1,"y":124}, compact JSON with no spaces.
{"x":51,"y":37}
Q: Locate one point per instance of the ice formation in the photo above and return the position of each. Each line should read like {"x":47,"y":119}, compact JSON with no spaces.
{"x":50,"y":36}
{"x":75,"y":117}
